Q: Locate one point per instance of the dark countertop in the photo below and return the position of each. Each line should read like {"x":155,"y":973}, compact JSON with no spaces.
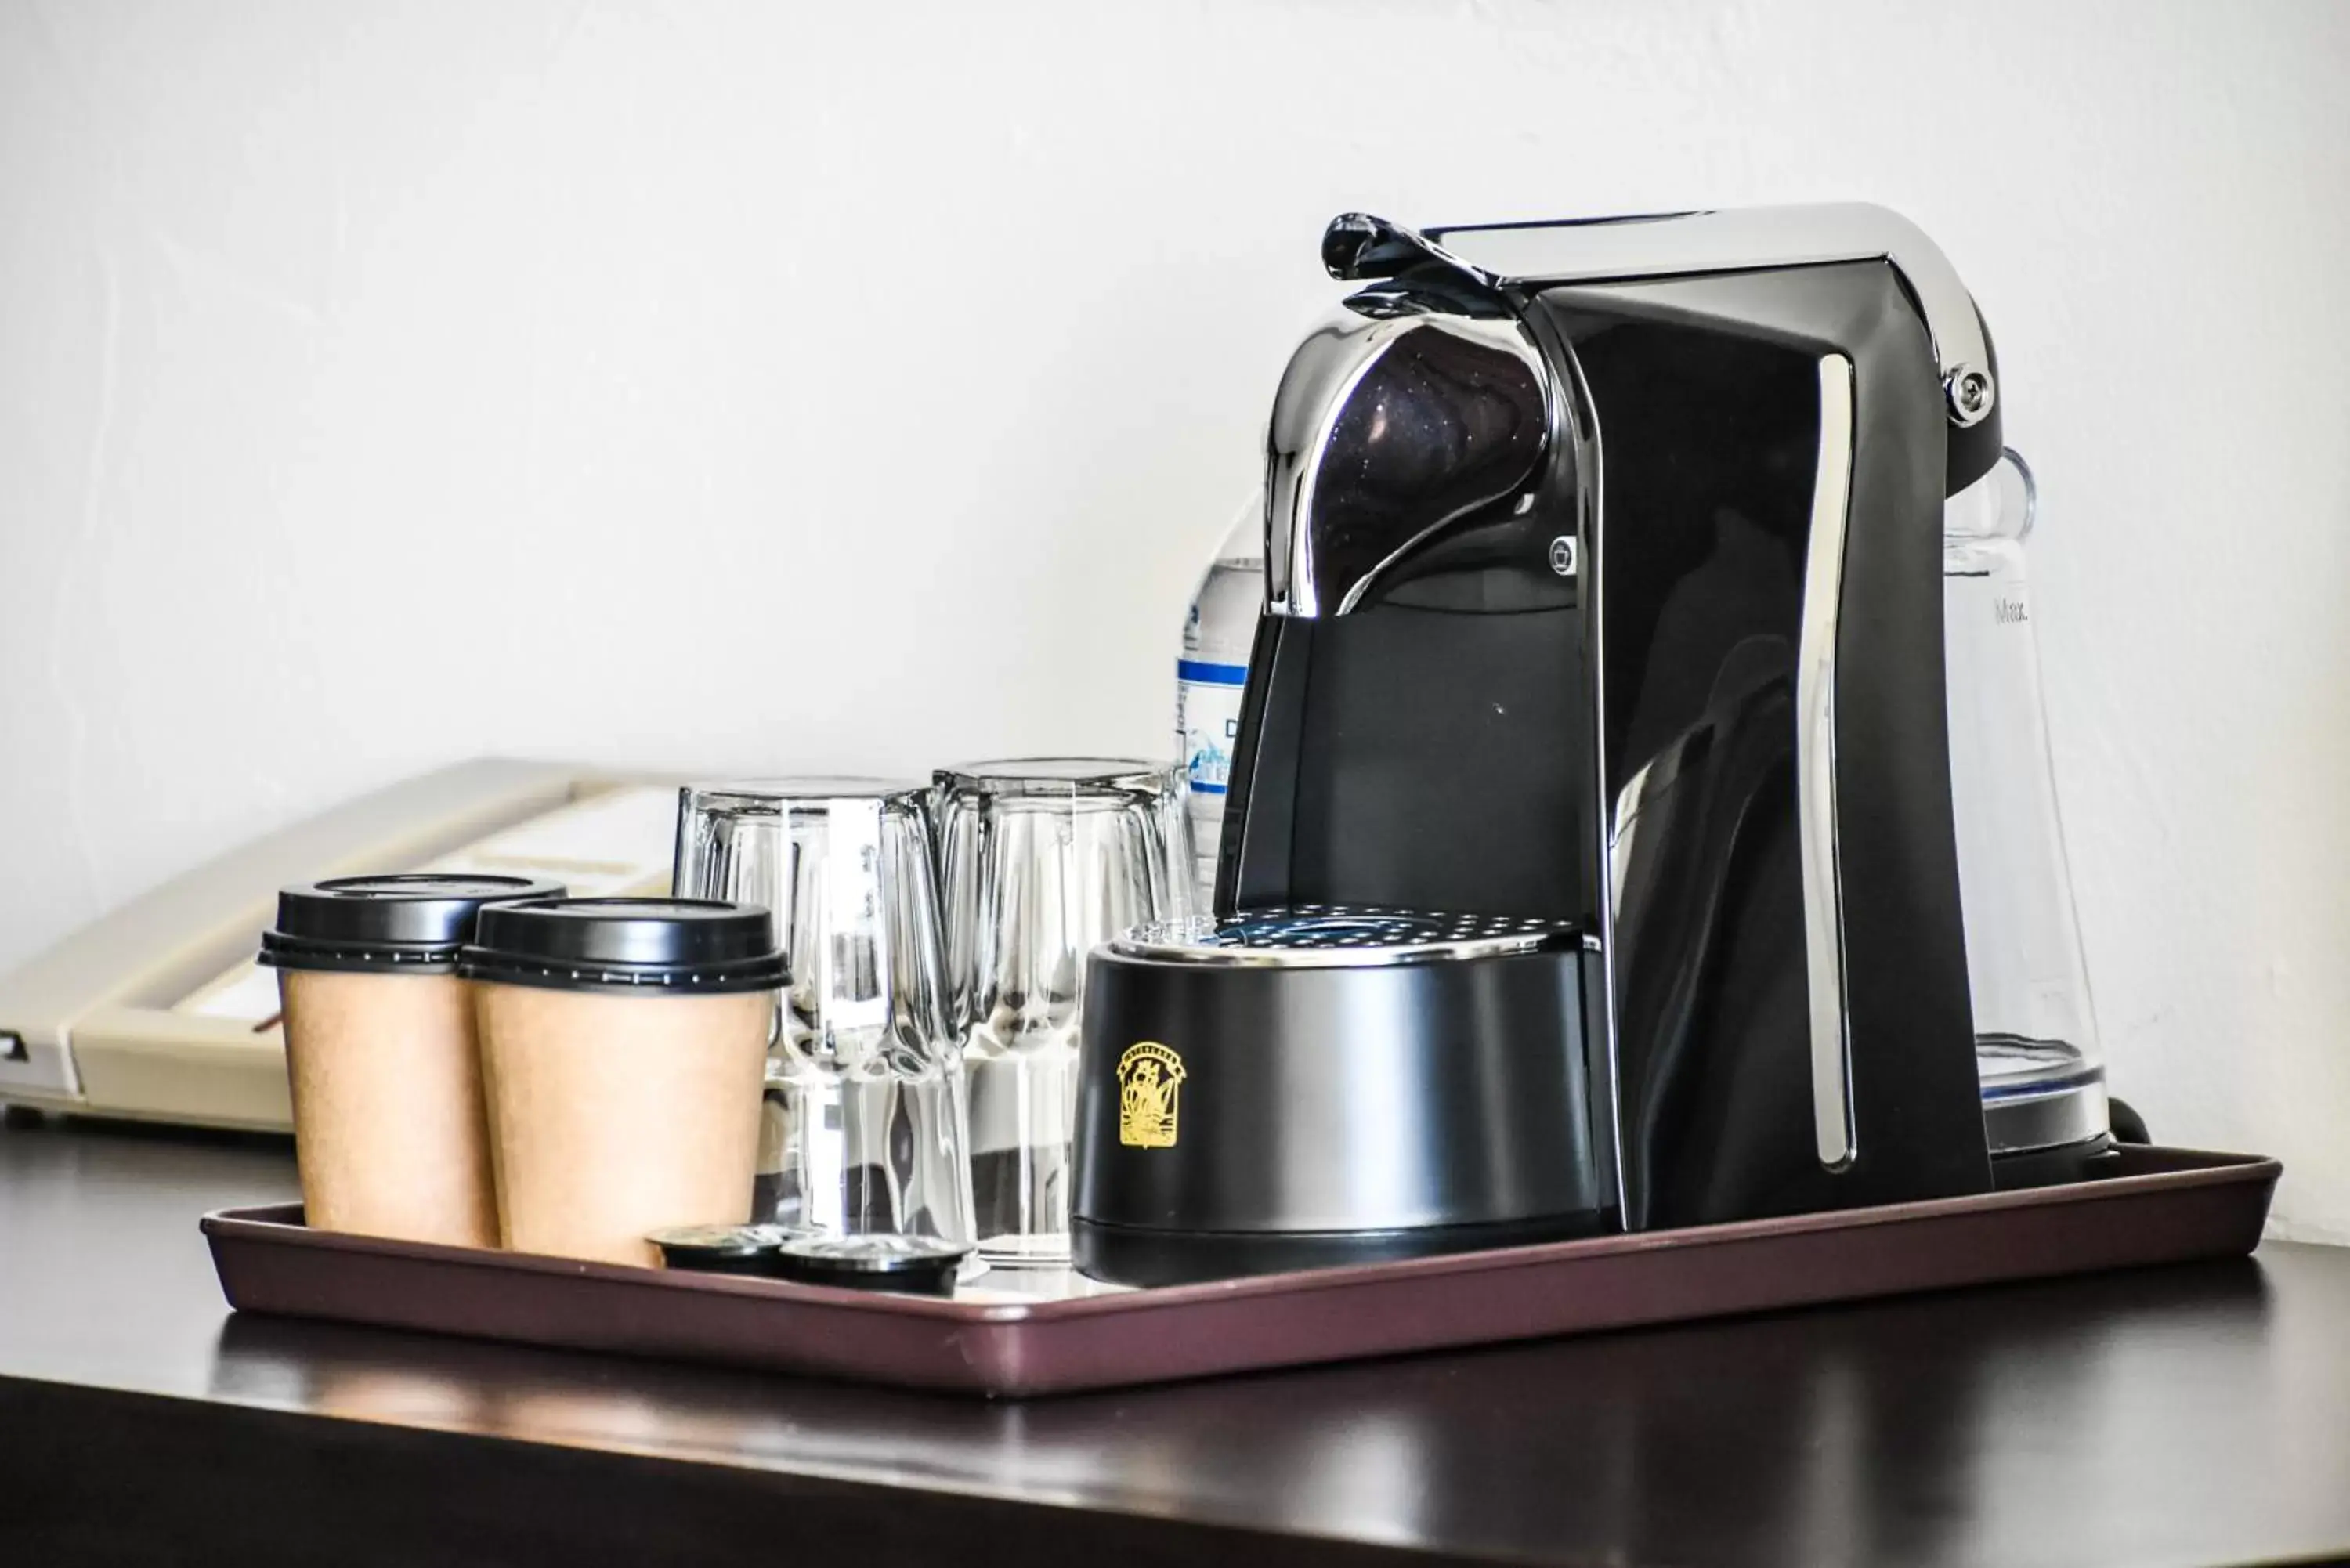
{"x":2186,"y":1415}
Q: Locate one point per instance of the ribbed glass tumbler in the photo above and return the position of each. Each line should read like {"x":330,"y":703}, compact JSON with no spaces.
{"x":864,"y":1127}
{"x":1044,"y":859}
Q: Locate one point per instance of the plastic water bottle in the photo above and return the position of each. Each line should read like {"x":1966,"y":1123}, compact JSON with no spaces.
{"x":1209,"y":674}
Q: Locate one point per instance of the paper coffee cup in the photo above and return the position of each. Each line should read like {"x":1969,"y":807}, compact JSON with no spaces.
{"x":624,"y":1047}
{"x":390,"y":1132}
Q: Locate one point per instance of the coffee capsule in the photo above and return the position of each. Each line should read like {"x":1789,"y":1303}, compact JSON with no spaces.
{"x":869,"y":1262}
{"x":719,"y":1248}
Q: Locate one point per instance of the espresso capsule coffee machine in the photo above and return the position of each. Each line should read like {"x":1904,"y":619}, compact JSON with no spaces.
{"x":1590,"y":859}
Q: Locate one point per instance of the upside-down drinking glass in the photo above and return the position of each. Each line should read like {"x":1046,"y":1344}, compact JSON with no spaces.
{"x":865,"y":1117}
{"x":1043,"y":860}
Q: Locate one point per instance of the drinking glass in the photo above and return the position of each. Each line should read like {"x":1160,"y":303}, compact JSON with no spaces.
{"x":863,"y":1124}
{"x":1044,"y":859}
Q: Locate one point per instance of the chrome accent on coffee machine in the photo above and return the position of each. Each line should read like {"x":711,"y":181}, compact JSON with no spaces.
{"x":1656,"y":245}
{"x":1390,"y":393}
{"x":1713,"y":746}
{"x":1815,"y":796}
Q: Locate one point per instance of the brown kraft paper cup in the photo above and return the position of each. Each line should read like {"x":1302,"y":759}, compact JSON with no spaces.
{"x":389,"y":1131}
{"x":614,"y":1114}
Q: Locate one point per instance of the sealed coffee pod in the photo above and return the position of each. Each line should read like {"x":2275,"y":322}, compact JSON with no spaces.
{"x":870,"y":1261}
{"x":624,"y":1043}
{"x":389,"y":1128}
{"x":720,"y":1249}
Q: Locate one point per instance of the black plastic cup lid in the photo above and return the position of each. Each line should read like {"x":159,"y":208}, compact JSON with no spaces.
{"x":627,"y":944}
{"x":413,"y":921}
{"x":869,"y":1263}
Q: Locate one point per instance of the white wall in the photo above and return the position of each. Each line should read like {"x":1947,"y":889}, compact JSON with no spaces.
{"x":770,"y":386}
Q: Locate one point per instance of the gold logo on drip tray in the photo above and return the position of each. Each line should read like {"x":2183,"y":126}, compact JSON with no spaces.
{"x":1150,"y":1075}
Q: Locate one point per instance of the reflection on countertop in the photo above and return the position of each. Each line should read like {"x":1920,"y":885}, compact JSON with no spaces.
{"x":1850,"y":1446}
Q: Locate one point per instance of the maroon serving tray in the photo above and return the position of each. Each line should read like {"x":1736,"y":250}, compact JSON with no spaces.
{"x":2165,"y":1205}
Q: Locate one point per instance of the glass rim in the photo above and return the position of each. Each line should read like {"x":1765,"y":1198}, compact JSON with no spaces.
{"x":1060,"y":777}
{"x":810,"y":790}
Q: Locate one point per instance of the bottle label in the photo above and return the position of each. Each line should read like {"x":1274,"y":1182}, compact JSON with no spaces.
{"x":1207,"y":710}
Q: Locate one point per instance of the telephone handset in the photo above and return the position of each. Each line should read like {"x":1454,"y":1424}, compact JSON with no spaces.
{"x":156,"y":1012}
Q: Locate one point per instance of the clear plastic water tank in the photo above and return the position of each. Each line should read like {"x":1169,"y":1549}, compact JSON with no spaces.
{"x":2036,"y":1048}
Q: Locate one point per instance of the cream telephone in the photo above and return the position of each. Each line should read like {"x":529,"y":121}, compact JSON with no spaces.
{"x":157,"y":1011}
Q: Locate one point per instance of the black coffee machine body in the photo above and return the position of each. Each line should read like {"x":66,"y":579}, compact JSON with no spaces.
{"x":1609,"y":591}
{"x":1603,"y":591}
